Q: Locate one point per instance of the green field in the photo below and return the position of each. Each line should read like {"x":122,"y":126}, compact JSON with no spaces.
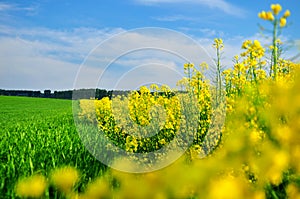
{"x":38,"y":135}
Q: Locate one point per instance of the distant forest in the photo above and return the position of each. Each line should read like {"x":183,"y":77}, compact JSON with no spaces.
{"x":68,"y":94}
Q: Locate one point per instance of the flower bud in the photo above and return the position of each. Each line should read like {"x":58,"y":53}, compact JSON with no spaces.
{"x":287,"y":14}
{"x":282,"y":22}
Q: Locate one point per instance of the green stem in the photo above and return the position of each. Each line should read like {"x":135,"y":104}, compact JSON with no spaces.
{"x":274,"y":52}
{"x":219,"y":82}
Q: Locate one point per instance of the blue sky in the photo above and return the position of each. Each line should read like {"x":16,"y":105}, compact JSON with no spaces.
{"x":45,"y":44}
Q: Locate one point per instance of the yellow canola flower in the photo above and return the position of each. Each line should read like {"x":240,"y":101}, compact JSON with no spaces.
{"x":262,"y":15}
{"x":287,"y":14}
{"x":144,"y":89}
{"x":131,"y":144}
{"x":256,"y":44}
{"x":204,"y":65}
{"x":282,"y":22}
{"x":266,"y":15}
{"x":276,"y":8}
{"x":154,"y":87}
{"x":239,"y":66}
{"x":188,"y":65}
{"x":278,"y":41}
{"x":97,"y":189}
{"x":218,"y":43}
{"x":246,"y":44}
{"x":65,"y":178}
{"x":270,"y":16}
{"x":33,"y":187}
{"x":236,"y":58}
{"x":227,"y":188}
{"x":293,"y":191}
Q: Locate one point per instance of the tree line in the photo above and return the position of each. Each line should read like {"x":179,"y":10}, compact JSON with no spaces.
{"x":68,"y":94}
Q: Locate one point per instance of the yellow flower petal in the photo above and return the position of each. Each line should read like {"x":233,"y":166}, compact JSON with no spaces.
{"x":276,"y":8}
{"x":270,"y":16}
{"x":65,"y":178}
{"x":263,"y":15}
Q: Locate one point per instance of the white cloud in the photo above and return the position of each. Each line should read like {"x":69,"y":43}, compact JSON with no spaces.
{"x":5,"y":7}
{"x":23,"y":68}
{"x":42,"y":58}
{"x":205,"y":32}
{"x":213,"y":4}
{"x":147,"y":47}
{"x":62,"y":45}
{"x":175,"y":18}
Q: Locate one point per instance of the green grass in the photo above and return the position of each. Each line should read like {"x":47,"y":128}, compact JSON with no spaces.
{"x":38,"y":135}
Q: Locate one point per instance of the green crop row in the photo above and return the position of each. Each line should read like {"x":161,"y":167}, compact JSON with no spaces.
{"x":38,"y":135}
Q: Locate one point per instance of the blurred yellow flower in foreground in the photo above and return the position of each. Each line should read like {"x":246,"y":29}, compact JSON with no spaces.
{"x":33,"y":186}
{"x":65,"y":178}
{"x":227,"y":188}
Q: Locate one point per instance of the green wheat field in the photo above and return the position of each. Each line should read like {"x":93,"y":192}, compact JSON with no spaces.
{"x":38,"y":135}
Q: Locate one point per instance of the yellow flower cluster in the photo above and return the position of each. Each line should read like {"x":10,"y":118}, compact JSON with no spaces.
{"x":131,"y":144}
{"x":218,"y":43}
{"x":266,"y":15}
{"x":140,"y":105}
{"x":196,"y":84}
{"x":276,"y":8}
{"x":143,"y":108}
{"x":250,"y":69}
{"x":65,"y":178}
{"x":87,"y":110}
